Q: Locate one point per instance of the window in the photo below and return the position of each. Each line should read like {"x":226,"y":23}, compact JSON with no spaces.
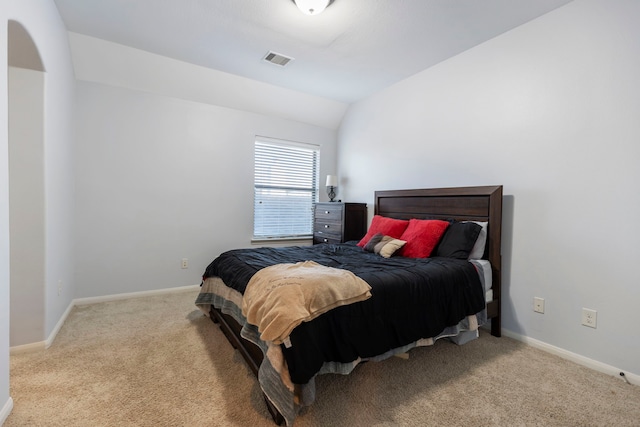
{"x":285,"y":189}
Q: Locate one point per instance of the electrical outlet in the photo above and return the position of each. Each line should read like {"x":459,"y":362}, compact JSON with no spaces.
{"x":589,"y":317}
{"x":185,"y":263}
{"x":59,"y":287}
{"x":538,"y":305}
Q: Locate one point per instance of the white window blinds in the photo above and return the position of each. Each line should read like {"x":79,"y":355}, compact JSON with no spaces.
{"x":285,"y":189}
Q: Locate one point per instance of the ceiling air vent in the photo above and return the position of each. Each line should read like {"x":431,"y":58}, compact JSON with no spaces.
{"x":277,"y":59}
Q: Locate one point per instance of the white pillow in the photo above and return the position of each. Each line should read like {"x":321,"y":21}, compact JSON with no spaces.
{"x":481,"y":241}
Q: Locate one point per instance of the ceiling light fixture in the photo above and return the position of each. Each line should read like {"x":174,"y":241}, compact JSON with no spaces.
{"x":312,"y":7}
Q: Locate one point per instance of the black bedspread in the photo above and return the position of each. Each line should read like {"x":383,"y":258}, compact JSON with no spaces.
{"x":411,"y":299}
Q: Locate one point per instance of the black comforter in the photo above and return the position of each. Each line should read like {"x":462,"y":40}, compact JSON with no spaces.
{"x":411,"y":299}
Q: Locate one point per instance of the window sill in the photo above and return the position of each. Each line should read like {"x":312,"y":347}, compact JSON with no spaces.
{"x":261,"y":241}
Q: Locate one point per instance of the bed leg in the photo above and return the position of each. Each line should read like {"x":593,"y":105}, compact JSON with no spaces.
{"x":496,"y":328}
{"x":252,"y":362}
{"x":275,"y":414}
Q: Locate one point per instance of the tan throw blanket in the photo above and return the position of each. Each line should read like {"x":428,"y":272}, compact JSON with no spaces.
{"x":280,"y":297}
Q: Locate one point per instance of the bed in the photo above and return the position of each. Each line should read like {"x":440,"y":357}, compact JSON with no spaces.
{"x":367,"y":329}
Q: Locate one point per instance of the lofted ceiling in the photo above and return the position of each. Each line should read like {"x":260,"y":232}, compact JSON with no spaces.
{"x":351,"y":50}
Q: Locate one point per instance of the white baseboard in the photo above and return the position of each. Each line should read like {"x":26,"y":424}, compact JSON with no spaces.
{"x":6,"y":410}
{"x":130,"y":295}
{"x":576,"y":358}
{"x":26,"y":348}
{"x":56,"y":329}
{"x":42,"y":345}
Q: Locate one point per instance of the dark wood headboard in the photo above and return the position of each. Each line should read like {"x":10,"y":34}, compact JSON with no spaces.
{"x":461,"y":204}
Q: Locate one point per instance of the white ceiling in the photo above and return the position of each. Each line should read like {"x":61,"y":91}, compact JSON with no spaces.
{"x":353,"y":49}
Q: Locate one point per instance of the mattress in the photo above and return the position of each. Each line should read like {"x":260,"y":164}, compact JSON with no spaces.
{"x":486,"y":277}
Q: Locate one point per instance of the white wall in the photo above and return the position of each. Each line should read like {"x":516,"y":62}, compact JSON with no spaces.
{"x":26,"y":205}
{"x":5,"y":400}
{"x":100,"y":61}
{"x":550,"y":110}
{"x":160,"y":179}
{"x":42,"y":21}
{"x":164,"y":161}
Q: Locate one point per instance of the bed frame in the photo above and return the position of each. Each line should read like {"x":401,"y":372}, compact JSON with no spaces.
{"x":461,"y":204}
{"x":458,"y":203}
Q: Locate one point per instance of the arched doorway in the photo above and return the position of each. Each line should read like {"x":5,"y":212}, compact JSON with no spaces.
{"x":26,"y":80}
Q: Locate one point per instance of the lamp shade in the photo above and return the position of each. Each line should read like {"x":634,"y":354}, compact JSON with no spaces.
{"x":311,"y":7}
{"x":332,"y":181}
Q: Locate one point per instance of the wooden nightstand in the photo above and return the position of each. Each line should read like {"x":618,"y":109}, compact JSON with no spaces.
{"x":336,"y":222}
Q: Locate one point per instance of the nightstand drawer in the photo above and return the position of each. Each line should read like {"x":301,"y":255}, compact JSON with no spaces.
{"x":327,"y":226}
{"x":328,"y":213}
{"x":328,"y":233}
{"x":326,"y":238}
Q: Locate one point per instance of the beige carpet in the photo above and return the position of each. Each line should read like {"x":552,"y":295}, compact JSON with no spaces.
{"x":156,"y":361}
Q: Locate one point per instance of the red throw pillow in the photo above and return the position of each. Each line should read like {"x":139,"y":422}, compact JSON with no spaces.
{"x":422,"y":235}
{"x":387,"y":226}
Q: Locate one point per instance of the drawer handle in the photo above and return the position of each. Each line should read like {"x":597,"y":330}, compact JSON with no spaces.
{"x":326,"y":226}
{"x":327,"y":212}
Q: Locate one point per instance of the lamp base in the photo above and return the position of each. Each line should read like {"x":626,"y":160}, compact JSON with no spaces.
{"x":331,"y":192}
